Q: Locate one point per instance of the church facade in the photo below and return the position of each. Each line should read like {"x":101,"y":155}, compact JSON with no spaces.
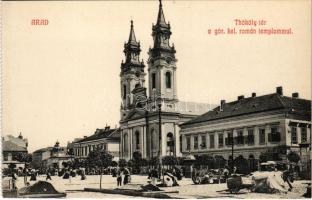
{"x":150,"y":116}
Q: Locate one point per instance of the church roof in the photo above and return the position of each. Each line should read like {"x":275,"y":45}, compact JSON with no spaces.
{"x":132,"y":39}
{"x":43,"y":150}
{"x":295,"y":107}
{"x":161,"y":17}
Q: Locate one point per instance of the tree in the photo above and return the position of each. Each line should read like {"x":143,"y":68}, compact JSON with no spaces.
{"x":100,"y":158}
{"x":136,"y":161}
{"x":70,"y":151}
{"x":264,"y":157}
{"x":122,"y":163}
{"x":180,"y":160}
{"x":65,"y":164}
{"x":12,"y":166}
{"x":114,"y":163}
{"x":241,"y":164}
{"x":77,"y":163}
{"x":169,"y":160}
{"x":144,"y":162}
{"x":154,"y":161}
{"x":220,"y":161}
{"x":130,"y":163}
{"x":24,"y":158}
{"x":293,"y":157}
{"x":137,"y":155}
{"x":205,"y":160}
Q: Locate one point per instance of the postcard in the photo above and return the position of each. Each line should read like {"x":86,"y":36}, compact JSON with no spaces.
{"x":156,"y":99}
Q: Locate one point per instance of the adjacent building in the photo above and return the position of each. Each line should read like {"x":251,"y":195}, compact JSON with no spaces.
{"x":12,"y":147}
{"x":50,"y":157}
{"x":272,"y":123}
{"x":107,"y":139}
{"x":150,"y":122}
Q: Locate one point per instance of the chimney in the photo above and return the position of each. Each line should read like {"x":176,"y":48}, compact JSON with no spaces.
{"x":279,"y":90}
{"x":295,"y":95}
{"x":253,"y":94}
{"x":240,"y":97}
{"x":222,"y":104}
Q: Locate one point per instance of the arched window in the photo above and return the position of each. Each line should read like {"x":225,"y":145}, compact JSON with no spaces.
{"x":170,"y":144}
{"x":137,"y":140}
{"x":168,"y":80}
{"x":153,"y":80}
{"x":137,"y":85}
{"x":124,"y":91}
{"x":125,"y":143}
{"x":180,"y":140}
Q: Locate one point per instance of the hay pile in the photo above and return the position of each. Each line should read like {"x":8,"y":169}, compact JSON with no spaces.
{"x":41,"y":187}
{"x":269,"y":182}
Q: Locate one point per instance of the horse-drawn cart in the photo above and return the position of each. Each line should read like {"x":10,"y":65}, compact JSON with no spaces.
{"x":207,"y":176}
{"x":237,"y":182}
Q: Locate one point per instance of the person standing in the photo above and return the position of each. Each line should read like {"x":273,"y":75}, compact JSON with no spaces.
{"x":83,"y":175}
{"x":154,"y":175}
{"x":287,"y":177}
{"x":127,"y":176}
{"x":25,"y":175}
{"x":226,"y":172}
{"x":14,"y":179}
{"x":119,"y":178}
{"x":33,"y":176}
{"x":48,"y":176}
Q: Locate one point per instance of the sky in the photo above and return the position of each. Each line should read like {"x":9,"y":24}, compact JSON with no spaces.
{"x":61,"y":81}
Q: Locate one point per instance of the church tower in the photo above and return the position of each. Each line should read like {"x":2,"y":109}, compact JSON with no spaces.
{"x":162,"y":61}
{"x":132,"y":72}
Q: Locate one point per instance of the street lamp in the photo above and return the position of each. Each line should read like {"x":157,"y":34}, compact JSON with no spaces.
{"x":160,"y":133}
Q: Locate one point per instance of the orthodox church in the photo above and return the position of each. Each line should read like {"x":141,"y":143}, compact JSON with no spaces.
{"x":150,"y":118}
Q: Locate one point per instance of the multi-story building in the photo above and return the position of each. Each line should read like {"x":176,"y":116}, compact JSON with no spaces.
{"x":70,"y":146}
{"x":107,"y":139}
{"x":50,"y":157}
{"x":150,"y":123}
{"x":272,"y":123}
{"x":12,"y":147}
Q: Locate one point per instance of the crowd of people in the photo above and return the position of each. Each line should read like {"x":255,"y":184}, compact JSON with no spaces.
{"x":123,"y":174}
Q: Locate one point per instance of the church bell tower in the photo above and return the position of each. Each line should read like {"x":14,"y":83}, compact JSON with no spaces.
{"x":162,"y":61}
{"x":132,"y":72}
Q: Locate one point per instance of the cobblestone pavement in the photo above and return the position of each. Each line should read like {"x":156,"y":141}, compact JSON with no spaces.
{"x":74,"y":188}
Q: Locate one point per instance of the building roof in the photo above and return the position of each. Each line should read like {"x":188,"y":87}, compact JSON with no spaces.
{"x":161,"y":17}
{"x":132,"y":39}
{"x":106,"y":133}
{"x":295,"y":107}
{"x":11,"y":146}
{"x":43,"y":150}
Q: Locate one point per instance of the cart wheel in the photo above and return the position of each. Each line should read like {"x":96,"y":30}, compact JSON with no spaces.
{"x":236,"y":190}
{"x":197,"y":180}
